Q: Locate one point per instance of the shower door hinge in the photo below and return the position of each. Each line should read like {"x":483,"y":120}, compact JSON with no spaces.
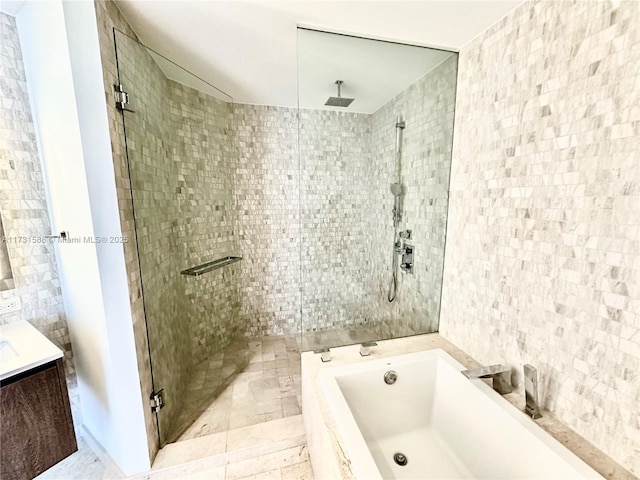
{"x":122,"y":98}
{"x":157,"y":402}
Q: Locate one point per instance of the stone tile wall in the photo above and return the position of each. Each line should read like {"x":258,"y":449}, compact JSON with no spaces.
{"x":267,"y":198}
{"x":213,"y":180}
{"x":334,"y":209}
{"x":108,"y":16}
{"x":542,"y":262}
{"x":427,"y":108}
{"x":205,"y":160}
{"x":181,"y":168}
{"x":151,"y":143}
{"x":24,"y":211}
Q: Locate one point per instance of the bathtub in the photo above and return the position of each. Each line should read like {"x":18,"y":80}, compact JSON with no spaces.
{"x":445,"y":425}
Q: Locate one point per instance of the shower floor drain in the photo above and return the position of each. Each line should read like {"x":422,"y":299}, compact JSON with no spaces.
{"x":400,"y":459}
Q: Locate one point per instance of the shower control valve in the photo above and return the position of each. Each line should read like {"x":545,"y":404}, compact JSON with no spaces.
{"x":407,"y":258}
{"x":406,"y":234}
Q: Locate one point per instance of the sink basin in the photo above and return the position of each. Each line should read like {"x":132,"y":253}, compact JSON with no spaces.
{"x":7,"y":352}
{"x":23,"y":347}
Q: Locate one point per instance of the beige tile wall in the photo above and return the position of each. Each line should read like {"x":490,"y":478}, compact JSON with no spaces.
{"x":267,"y":193}
{"x":334,"y":208}
{"x":542,"y":263}
{"x":205,"y":159}
{"x":108,"y":16}
{"x":427,"y":108}
{"x":181,"y":166}
{"x":152,"y":144}
{"x":341,"y":255}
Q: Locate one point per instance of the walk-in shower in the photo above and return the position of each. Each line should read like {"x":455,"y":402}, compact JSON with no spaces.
{"x":249,"y":230}
{"x":373,"y":183}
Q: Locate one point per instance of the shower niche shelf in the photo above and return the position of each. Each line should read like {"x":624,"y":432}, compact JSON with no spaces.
{"x":210,"y":266}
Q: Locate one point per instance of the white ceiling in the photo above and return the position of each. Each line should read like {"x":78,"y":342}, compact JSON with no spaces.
{"x":373,"y":72}
{"x":248,"y":48}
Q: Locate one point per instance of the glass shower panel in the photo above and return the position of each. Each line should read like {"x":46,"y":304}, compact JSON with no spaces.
{"x":375,"y":134}
{"x":181,"y":166}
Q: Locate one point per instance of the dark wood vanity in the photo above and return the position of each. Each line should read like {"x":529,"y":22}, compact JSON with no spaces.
{"x":36,"y":429}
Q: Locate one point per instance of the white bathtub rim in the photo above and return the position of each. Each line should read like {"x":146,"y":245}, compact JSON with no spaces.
{"x":355,"y":445}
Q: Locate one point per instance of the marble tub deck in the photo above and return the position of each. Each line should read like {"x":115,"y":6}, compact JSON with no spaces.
{"x":278,"y":449}
{"x":323,"y":437}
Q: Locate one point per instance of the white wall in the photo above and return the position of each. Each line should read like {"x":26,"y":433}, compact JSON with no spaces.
{"x":64,"y":76}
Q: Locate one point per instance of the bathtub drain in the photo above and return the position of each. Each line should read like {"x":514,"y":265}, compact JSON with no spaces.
{"x":390,"y":377}
{"x":400,"y":459}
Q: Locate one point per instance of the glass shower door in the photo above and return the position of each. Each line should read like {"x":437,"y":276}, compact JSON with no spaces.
{"x":375,"y":133}
{"x":181,"y":167}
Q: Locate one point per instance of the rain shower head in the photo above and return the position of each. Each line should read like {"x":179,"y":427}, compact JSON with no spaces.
{"x":396,"y":189}
{"x":338,"y":101}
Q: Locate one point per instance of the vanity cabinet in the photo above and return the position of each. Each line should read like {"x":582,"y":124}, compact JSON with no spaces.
{"x":36,"y":429}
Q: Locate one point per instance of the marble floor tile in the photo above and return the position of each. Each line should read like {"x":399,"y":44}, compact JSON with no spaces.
{"x":290,"y":427}
{"x":81,"y":465}
{"x":209,"y":380}
{"x":233,"y":424}
{"x":298,"y":471}
{"x":211,"y":474}
{"x":189,"y":450}
{"x":267,"y":388}
{"x":266,"y":463}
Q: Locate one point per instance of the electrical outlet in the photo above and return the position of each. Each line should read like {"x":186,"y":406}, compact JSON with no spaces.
{"x":11,"y":304}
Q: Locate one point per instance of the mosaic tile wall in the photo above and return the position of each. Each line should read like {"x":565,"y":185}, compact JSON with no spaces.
{"x":542,"y":262}
{"x":335,"y":207}
{"x":205,"y":160}
{"x":182,"y":170}
{"x":427,"y":108}
{"x":242,"y":191}
{"x":267,"y":196}
{"x":345,"y":218}
{"x":24,"y":211}
{"x":108,"y":16}
{"x":151,"y":141}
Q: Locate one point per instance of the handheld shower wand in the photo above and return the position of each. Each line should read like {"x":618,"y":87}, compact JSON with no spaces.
{"x":396,"y":190}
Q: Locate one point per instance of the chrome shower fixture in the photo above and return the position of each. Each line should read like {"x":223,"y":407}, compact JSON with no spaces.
{"x":398,"y":190}
{"x":400,"y":124}
{"x":339,"y":101}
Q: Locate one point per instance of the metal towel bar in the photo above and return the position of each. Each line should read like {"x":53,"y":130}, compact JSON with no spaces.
{"x":210,"y":266}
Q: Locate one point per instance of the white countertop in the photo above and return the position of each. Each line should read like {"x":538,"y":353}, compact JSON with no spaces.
{"x":23,"y":347}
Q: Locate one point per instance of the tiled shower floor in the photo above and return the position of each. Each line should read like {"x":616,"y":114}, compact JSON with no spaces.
{"x":267,"y":389}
